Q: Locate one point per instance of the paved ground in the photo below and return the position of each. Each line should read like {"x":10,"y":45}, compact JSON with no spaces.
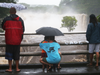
{"x":70,"y":70}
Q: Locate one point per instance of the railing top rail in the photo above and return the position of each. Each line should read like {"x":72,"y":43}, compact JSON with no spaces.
{"x":38,"y":53}
{"x":40,"y":34}
{"x":37,"y":44}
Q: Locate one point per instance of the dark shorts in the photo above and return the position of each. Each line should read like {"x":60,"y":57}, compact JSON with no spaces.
{"x":44,"y":59}
{"x":43,"y":55}
{"x":12,"y":52}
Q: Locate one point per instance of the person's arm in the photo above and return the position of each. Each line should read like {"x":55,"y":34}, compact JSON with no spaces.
{"x":22,"y":24}
{"x":88,"y":32}
{"x":2,"y":24}
{"x":58,"y":46}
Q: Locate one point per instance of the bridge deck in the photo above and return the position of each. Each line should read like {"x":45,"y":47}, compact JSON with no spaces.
{"x":67,"y":69}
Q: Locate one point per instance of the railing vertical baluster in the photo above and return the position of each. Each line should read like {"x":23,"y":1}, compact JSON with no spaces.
{"x":87,"y":54}
{"x":14,"y":65}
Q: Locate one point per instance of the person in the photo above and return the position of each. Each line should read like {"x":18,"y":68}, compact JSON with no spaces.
{"x":14,"y":29}
{"x":53,"y":55}
{"x":93,"y":36}
{"x":43,"y":53}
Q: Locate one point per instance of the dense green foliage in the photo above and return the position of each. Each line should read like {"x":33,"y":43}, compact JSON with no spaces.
{"x":81,"y":6}
{"x":5,"y":11}
{"x":69,"y":22}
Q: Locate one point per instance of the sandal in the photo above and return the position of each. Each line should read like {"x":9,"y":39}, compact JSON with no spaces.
{"x":58,"y":68}
{"x":18,"y":71}
{"x":49,"y":69}
{"x":89,"y":65}
{"x":43,"y":69}
{"x":97,"y":67}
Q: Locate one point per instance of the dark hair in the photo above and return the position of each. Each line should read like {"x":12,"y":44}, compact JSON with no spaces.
{"x":50,"y":38}
{"x":93,"y":19}
{"x":12,"y":10}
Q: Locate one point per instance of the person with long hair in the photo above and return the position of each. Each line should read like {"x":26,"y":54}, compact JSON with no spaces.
{"x":93,"y":36}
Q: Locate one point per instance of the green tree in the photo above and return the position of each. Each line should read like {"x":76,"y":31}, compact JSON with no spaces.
{"x":69,"y":22}
{"x":98,"y":18}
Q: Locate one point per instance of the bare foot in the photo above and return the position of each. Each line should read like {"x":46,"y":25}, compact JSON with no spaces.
{"x":9,"y":70}
{"x":96,"y":65}
{"x":18,"y":70}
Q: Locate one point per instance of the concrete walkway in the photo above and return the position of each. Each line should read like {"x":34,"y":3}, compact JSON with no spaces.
{"x":70,"y":70}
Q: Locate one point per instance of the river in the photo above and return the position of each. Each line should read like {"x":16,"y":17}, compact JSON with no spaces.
{"x":72,"y":38}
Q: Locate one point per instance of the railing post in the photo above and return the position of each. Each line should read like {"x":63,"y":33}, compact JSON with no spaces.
{"x":87,"y":54}
{"x":14,"y":65}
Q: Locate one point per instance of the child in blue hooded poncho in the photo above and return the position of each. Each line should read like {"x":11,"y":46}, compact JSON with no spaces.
{"x":53,"y":55}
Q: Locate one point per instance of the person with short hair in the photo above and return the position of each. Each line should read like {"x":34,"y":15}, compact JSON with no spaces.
{"x":14,"y":29}
{"x":93,"y":36}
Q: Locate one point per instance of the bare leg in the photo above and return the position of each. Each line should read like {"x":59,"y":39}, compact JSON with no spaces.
{"x":10,"y":65}
{"x":45,"y":63}
{"x":43,"y":66}
{"x":97,"y":58}
{"x":59,"y":62}
{"x":91,"y":58}
{"x":59,"y":65}
{"x":17,"y":65}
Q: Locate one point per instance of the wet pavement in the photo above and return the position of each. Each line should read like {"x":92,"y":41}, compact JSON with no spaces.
{"x":70,"y":70}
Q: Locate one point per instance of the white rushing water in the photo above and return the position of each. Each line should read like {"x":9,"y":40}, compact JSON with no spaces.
{"x":34,"y":21}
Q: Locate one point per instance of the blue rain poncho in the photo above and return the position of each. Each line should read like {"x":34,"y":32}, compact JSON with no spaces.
{"x":51,"y":49}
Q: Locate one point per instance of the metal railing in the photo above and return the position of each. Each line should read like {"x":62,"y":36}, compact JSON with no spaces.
{"x":38,"y":53}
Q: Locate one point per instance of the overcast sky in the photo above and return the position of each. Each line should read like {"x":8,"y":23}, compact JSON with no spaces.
{"x":42,"y":2}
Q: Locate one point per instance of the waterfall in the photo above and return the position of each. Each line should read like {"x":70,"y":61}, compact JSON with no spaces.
{"x":34,"y":21}
{"x":82,"y":22}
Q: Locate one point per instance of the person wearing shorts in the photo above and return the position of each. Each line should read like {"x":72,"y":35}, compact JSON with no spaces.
{"x":94,"y":48}
{"x":14,"y":29}
{"x":93,"y":36}
{"x":12,"y":52}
